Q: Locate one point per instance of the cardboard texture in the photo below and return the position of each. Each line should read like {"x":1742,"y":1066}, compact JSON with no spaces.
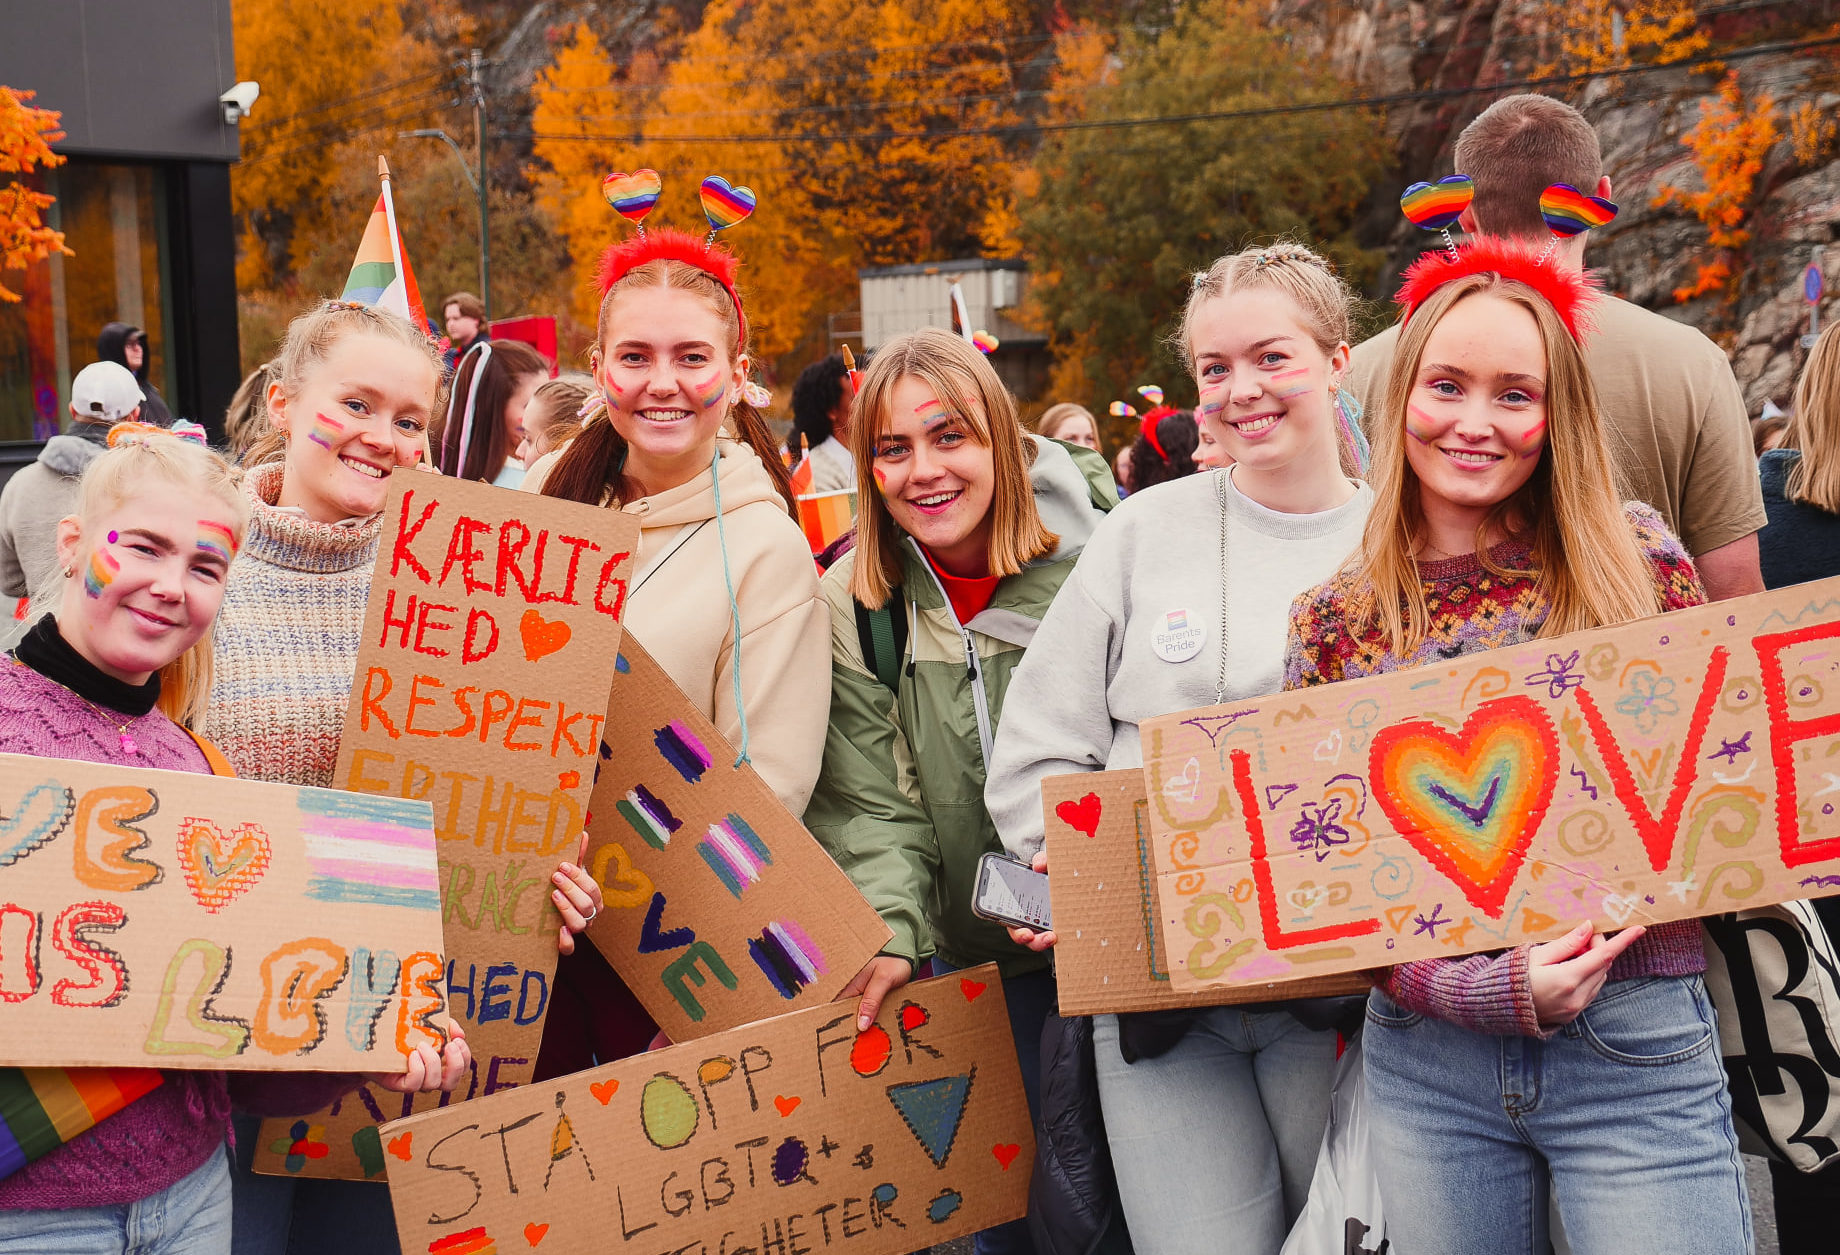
{"x":1680,"y":766}
{"x":721,"y":908}
{"x":1109,"y":953}
{"x":172,"y":920}
{"x":795,"y":1134}
{"x":488,"y":651}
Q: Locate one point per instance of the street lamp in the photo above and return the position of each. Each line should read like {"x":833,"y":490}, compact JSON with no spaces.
{"x":479,"y":189}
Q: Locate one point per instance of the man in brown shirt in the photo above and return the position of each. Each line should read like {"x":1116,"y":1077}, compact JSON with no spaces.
{"x":1676,"y":419}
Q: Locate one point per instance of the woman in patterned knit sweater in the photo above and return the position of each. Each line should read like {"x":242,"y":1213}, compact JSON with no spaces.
{"x":144,"y":566}
{"x":350,"y":401}
{"x":1584,"y":1070}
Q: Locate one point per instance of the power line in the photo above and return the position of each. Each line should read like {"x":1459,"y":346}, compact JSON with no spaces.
{"x":345,"y":102}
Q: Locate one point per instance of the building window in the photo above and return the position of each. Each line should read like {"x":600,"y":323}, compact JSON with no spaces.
{"x":114,"y":218}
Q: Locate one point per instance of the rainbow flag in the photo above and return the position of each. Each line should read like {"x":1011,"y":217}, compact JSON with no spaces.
{"x":381,"y":275}
{"x":826,"y":516}
{"x":42,"y":1108}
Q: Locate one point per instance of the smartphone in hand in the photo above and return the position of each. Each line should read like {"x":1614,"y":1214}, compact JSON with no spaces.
{"x":1011,"y":892}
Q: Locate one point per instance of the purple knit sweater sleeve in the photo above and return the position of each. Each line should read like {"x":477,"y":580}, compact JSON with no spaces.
{"x":1485,"y":993}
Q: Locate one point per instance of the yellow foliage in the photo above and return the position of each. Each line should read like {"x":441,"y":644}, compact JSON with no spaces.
{"x":1654,"y":32}
{"x":26,"y":136}
{"x":1728,"y":144}
{"x":1811,"y":131}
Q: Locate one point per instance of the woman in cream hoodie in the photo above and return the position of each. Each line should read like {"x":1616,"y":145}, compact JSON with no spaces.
{"x":725,"y":595}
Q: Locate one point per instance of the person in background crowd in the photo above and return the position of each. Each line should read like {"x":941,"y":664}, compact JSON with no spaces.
{"x":350,"y":400}
{"x":1584,"y":1071}
{"x":821,"y":414}
{"x":973,"y":528}
{"x":1121,"y":471}
{"x":1209,"y":452}
{"x":43,"y":492}
{"x":119,"y":675}
{"x":553,"y":417}
{"x":1766,"y":434}
{"x":1676,"y":422}
{"x":1071,"y":423}
{"x":246,"y":417}
{"x":1164,"y":449}
{"x":1214,"y":1116}
{"x":127,"y":346}
{"x":465,"y":318}
{"x":486,"y":400}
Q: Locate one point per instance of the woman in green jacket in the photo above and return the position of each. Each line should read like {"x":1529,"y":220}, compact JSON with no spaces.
{"x":974,"y":526}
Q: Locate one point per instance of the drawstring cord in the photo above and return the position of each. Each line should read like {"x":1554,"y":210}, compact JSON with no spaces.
{"x":734,"y":608}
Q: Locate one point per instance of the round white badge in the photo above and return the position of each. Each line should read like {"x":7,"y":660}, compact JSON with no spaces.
{"x":1178,"y":638}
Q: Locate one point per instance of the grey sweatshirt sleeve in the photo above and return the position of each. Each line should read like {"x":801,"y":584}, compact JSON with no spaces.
{"x":1056,"y":718}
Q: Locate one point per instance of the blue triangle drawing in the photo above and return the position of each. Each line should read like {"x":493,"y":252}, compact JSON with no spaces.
{"x":933,"y":1110}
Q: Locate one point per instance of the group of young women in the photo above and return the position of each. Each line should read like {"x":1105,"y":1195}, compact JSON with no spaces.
{"x":997,"y":621}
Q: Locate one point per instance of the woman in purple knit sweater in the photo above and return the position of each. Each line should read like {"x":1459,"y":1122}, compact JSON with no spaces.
{"x":127,"y":654}
{"x":1584,"y":1071}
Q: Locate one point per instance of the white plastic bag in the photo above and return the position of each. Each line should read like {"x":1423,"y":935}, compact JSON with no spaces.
{"x":1343,"y":1215}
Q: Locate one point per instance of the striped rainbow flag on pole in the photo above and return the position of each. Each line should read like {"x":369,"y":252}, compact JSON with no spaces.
{"x":381,"y":275}
{"x":42,"y":1108}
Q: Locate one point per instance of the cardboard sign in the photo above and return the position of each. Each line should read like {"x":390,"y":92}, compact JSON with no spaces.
{"x":1109,"y":952}
{"x":481,"y":686}
{"x":793,"y":1134}
{"x":172,"y":920}
{"x":1680,"y":766}
{"x":721,"y":908}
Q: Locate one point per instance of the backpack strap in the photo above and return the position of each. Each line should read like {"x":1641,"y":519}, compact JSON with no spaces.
{"x":220,"y":766}
{"x":882,"y":637}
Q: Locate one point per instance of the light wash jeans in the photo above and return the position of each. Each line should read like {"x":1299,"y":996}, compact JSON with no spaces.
{"x":189,"y":1217}
{"x":1214,"y":1143}
{"x":1621,"y":1119}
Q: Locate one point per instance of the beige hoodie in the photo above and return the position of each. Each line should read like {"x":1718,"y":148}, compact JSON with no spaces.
{"x":679,"y":611}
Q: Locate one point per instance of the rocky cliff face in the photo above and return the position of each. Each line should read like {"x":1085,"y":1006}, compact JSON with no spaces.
{"x":1457,"y":56}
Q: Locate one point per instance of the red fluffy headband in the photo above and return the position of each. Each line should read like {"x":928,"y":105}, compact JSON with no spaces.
{"x":1569,"y":292}
{"x":665,"y":244}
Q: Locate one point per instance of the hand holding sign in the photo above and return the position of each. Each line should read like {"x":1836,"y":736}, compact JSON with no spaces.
{"x":577,"y":896}
{"x":430,"y":1071}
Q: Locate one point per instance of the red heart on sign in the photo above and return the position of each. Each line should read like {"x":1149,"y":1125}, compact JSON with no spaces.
{"x":913,"y":1015}
{"x":1083,"y":815}
{"x":971,"y":988}
{"x":533,"y":1233}
{"x":786,"y":1105}
{"x":399,"y":1145}
{"x":542,"y":637}
{"x":1006,"y":1153}
{"x":604,"y":1091}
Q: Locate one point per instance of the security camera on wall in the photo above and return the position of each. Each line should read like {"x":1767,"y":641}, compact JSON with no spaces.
{"x":238,"y":101}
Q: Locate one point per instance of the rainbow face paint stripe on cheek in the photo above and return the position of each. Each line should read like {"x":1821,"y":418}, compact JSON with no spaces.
{"x":1533,"y":440}
{"x":718,"y":389}
{"x":933,"y":415}
{"x":103,"y":568}
{"x":1287,"y":391}
{"x":881,"y":480}
{"x":216,"y":540}
{"x":1424,"y":425}
{"x":325,"y":430}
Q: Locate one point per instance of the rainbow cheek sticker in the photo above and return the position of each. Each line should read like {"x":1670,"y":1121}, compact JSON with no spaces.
{"x":216,"y":540}
{"x":325,"y":430}
{"x":103,"y":568}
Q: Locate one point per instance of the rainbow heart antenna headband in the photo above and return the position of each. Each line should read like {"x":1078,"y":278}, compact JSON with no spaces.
{"x":635,"y":195}
{"x":1570,"y":292}
{"x":1147,"y":422}
{"x":1568,"y":212}
{"x":1437,"y":206}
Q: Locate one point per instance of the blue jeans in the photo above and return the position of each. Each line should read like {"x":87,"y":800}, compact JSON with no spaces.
{"x":1214,"y":1142}
{"x":189,"y":1217}
{"x":306,"y":1215}
{"x":1621,"y":1118}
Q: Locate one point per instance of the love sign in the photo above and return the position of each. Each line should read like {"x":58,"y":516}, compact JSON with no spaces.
{"x":165,"y":919}
{"x":1680,"y":766}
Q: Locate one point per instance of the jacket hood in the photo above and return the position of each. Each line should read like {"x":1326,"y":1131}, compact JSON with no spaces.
{"x":70,"y":455}
{"x":112,"y":346}
{"x":743,"y":480}
{"x":1064,"y":495}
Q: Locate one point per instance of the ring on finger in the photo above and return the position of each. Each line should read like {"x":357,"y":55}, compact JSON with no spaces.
{"x":589,"y":917}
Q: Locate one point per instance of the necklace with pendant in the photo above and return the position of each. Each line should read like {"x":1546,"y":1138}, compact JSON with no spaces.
{"x":128,"y":744}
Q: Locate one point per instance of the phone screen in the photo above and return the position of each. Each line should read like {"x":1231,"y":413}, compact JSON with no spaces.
{"x":1014,"y":893}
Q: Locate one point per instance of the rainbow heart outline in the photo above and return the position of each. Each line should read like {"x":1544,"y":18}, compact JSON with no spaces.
{"x":1437,"y":206}
{"x":1470,"y":801}
{"x":633,"y":195}
{"x":725,"y":204}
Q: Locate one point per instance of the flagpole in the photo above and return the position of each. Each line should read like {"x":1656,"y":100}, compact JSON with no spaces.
{"x":389,"y":215}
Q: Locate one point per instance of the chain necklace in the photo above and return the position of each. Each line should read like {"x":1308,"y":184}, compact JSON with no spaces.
{"x":1220,"y":499}
{"x":128,"y":744}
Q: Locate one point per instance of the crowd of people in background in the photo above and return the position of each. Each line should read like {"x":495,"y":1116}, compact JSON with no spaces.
{"x":997,"y":615}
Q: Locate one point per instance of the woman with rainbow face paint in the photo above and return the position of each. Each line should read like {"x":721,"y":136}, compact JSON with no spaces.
{"x":120,"y":674}
{"x":1583,"y":1071}
{"x":1214,"y":1116}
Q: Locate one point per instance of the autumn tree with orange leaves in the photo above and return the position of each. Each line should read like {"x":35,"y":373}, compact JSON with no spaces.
{"x":26,"y":136}
{"x":1728,"y":146}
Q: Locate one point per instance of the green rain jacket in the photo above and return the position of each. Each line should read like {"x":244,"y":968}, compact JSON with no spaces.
{"x":900,"y":797}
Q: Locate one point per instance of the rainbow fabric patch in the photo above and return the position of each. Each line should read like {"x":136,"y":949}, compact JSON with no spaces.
{"x":42,"y":1108}
{"x":103,"y":568}
{"x":788,"y":956}
{"x":649,"y":817}
{"x":683,"y":750}
{"x":735,"y":853}
{"x":1437,"y":206}
{"x":724,"y":204}
{"x":632,"y":195}
{"x":365,"y":848}
{"x":1570,"y":212}
{"x":216,"y":540}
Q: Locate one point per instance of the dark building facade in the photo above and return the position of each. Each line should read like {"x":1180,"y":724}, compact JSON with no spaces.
{"x":143,"y":201}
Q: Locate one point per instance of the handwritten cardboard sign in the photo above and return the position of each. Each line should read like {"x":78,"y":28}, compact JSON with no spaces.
{"x":161,"y":918}
{"x":792,"y":1134}
{"x":1675,"y":767}
{"x":1109,"y":952}
{"x":721,"y":908}
{"x":481,"y":687}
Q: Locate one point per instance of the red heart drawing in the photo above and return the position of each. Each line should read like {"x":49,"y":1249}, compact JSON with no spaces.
{"x":786,"y":1105}
{"x":913,"y":1015}
{"x":604,"y":1091}
{"x":534,"y":1233}
{"x":399,"y":1145}
{"x":566,"y":780}
{"x":1470,"y":801}
{"x":1083,"y":815}
{"x":971,"y":988}
{"x":542,"y":637}
{"x":1006,"y":1153}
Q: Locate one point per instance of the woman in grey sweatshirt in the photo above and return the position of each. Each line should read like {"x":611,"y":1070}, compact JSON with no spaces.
{"x":1214,"y":1116}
